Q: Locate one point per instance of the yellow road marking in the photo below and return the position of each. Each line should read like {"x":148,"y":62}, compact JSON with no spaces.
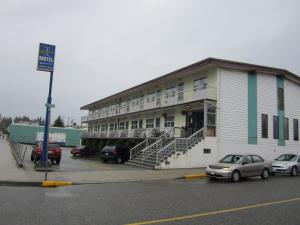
{"x":214,"y":212}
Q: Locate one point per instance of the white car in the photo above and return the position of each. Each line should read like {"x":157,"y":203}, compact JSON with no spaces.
{"x":287,"y":164}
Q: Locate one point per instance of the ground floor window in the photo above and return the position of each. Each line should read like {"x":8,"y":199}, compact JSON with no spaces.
{"x":169,"y":122}
{"x":121,"y":125}
{"x":134,"y":124}
{"x":264,"y":125}
{"x":157,"y":123}
{"x":150,"y":123}
{"x":296,"y":129}
{"x":141,"y":124}
{"x":211,"y":120}
{"x":286,"y":128}
{"x":275,"y":127}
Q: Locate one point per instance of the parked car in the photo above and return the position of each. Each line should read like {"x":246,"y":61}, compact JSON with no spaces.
{"x":84,"y":151}
{"x":236,"y":166}
{"x":287,"y":164}
{"x":54,"y":153}
{"x":117,"y":153}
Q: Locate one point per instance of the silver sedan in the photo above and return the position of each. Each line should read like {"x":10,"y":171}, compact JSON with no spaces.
{"x":236,"y":166}
{"x":287,"y":164}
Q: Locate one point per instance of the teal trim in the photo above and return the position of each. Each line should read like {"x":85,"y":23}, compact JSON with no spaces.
{"x":281,"y":113}
{"x":252,"y":108}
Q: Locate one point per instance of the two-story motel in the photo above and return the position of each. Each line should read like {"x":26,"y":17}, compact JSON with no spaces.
{"x":195,"y":115}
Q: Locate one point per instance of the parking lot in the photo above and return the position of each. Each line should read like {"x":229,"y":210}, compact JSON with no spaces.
{"x":69,"y":163}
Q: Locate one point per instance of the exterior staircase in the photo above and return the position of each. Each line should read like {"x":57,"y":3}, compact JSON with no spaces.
{"x":151,"y":155}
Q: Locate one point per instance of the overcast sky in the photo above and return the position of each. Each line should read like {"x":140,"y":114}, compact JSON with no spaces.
{"x":103,"y":47}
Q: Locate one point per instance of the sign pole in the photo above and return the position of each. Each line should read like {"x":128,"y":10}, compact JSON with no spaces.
{"x":46,"y":131}
{"x":46,"y":63}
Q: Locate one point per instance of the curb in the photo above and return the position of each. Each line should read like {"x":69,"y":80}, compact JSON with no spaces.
{"x":195,"y":176}
{"x":53,"y":183}
{"x":21,"y":183}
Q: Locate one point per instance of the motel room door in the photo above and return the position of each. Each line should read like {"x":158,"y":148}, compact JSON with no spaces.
{"x":194,"y":121}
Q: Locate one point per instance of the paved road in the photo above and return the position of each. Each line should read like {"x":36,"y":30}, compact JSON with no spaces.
{"x":127,"y":203}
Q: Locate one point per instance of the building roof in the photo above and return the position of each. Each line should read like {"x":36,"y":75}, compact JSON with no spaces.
{"x":212,"y":62}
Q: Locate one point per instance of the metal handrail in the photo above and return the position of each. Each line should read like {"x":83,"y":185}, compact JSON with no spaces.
{"x":136,"y":149}
{"x":157,"y":145}
{"x":18,"y":151}
{"x":172,"y":146}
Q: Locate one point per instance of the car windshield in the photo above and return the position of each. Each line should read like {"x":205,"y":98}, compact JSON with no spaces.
{"x":235,"y":159}
{"x":287,"y":157}
{"x":109,"y":148}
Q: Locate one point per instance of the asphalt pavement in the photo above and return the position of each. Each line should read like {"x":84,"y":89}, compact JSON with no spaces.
{"x":254,"y":201}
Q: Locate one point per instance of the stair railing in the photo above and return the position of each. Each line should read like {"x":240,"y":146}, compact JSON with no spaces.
{"x":179,"y":144}
{"x":158,"y":144}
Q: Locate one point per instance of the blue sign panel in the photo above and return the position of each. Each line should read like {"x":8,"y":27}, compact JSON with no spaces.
{"x":46,"y":57}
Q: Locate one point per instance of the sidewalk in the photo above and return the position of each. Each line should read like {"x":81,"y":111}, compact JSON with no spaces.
{"x":10,"y":172}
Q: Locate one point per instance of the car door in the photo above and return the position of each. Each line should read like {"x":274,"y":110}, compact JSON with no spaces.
{"x":298,"y":163}
{"x":246,"y":166}
{"x":258,"y":165}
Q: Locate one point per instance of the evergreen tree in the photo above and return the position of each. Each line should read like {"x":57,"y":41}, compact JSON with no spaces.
{"x":58,"y":122}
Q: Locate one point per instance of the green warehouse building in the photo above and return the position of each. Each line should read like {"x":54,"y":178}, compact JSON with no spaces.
{"x":30,"y":134}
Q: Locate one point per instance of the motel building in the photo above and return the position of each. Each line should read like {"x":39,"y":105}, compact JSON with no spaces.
{"x":195,"y":115}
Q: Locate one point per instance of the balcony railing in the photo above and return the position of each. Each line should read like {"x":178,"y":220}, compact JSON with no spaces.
{"x":138,"y":133}
{"x":162,"y":102}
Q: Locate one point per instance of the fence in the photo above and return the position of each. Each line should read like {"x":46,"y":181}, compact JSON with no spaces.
{"x":18,"y":152}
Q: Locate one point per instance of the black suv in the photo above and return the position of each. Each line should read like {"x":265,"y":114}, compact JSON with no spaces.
{"x":117,"y":153}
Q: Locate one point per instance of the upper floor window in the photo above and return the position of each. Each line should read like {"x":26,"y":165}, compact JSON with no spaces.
{"x":158,"y":98}
{"x":111,"y":126}
{"x":296,"y":129}
{"x":157,"y":122}
{"x":140,"y":124}
{"x":171,"y":92}
{"x":151,"y":97}
{"x":280,"y":98}
{"x":180,"y":89}
{"x":200,"y":84}
{"x":103,"y":127}
{"x":169,"y":121}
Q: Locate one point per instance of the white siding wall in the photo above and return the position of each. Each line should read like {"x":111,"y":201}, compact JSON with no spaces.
{"x":266,"y":104}
{"x":292,"y":109}
{"x":233,"y":106}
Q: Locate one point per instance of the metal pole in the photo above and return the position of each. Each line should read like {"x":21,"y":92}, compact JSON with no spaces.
{"x":46,"y":131}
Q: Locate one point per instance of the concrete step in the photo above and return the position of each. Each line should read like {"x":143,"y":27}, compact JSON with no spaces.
{"x":145,"y":162}
{"x":130,"y":163}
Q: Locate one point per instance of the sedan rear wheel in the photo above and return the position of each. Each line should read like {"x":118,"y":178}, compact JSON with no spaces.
{"x":235,"y":177}
{"x":265,"y":174}
{"x":294,"y":171}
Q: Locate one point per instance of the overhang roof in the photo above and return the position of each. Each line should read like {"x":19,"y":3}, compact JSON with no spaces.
{"x":211,"y":62}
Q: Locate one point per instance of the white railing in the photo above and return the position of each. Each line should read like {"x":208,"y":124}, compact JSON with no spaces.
{"x":136,"y":150}
{"x":179,"y":144}
{"x":137,"y":133}
{"x":158,"y":144}
{"x":164,"y":101}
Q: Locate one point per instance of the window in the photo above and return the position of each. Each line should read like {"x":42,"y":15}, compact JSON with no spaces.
{"x":103,"y":127}
{"x":180,"y":93}
{"x":286,"y":129}
{"x":126,"y":125}
{"x":200,"y":84}
{"x":169,"y":122}
{"x":264,"y":125}
{"x":247,"y":159}
{"x":296,"y":130}
{"x":211,"y":119}
{"x":151,"y":97}
{"x":170,"y":92}
{"x":275,"y":127}
{"x":157,"y":123}
{"x":257,"y":159}
{"x":134,"y":124}
{"x":158,"y":98}
{"x":280,"y":98}
{"x":121,"y":125}
{"x":140,"y":124}
{"x":150,"y":123}
{"x":142,"y":102}
{"x":111,"y":126}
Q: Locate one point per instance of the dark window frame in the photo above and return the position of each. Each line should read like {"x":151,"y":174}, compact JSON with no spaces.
{"x":275,"y":127}
{"x":286,"y":132}
{"x":264,"y":126}
{"x":295,"y":130}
